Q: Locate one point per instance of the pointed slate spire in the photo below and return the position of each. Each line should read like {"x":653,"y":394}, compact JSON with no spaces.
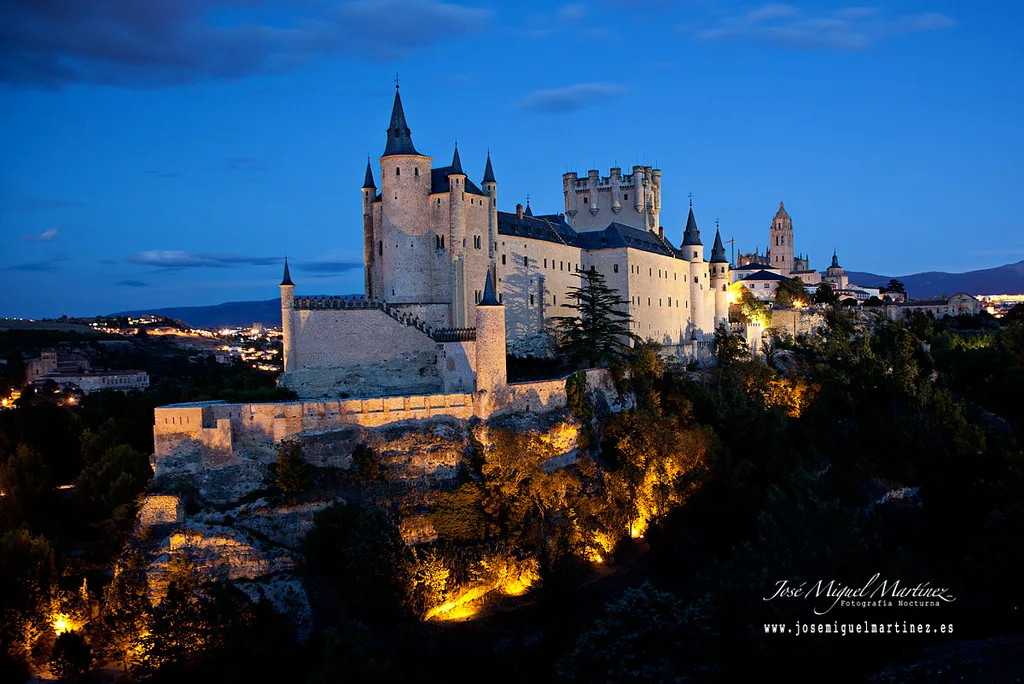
{"x":489,"y":298}
{"x":368,"y":183}
{"x":287,"y":280}
{"x":718,"y":251}
{"x":488,"y":171}
{"x":528,"y":211}
{"x":399,"y":135}
{"x":456,"y":162}
{"x":691,"y":236}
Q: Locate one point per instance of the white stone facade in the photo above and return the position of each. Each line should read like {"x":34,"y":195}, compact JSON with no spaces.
{"x":431,"y":236}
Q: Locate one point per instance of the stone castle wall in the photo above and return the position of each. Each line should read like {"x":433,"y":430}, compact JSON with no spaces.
{"x":272,"y":422}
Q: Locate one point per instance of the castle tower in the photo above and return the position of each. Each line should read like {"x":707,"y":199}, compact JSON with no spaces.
{"x":720,"y":279}
{"x":780,"y":241}
{"x":287,"y":322}
{"x":457,"y":238}
{"x":369,"y":195}
{"x":490,"y":186}
{"x":490,"y":344}
{"x":693,"y":251}
{"x":405,"y":242}
{"x":593,"y":202}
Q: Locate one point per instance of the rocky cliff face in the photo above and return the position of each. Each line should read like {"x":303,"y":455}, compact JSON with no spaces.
{"x":230,"y":522}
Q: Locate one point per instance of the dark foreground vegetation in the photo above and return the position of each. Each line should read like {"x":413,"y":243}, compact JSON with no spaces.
{"x":892,"y":449}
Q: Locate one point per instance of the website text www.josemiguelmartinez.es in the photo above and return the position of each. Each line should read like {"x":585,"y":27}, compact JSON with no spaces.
{"x":864,"y":627}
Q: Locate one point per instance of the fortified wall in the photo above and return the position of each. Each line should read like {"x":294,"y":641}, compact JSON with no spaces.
{"x":214,"y":428}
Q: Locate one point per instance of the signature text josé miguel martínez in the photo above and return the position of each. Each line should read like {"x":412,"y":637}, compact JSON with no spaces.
{"x":872,"y":589}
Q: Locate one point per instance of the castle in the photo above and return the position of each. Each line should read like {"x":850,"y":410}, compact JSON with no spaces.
{"x":433,"y":238}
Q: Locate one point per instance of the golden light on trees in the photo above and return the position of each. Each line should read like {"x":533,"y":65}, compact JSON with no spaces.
{"x":62,"y":623}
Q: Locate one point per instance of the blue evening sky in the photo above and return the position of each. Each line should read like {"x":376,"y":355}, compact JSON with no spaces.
{"x":171,"y":152}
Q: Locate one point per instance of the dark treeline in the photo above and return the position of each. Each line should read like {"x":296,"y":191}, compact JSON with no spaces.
{"x":73,"y":469}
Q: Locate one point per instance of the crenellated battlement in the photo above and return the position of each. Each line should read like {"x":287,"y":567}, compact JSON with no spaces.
{"x":634,"y":199}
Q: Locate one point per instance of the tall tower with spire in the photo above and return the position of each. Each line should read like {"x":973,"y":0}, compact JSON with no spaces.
{"x":491,"y":373}
{"x":780,"y":244}
{"x":405,"y":243}
{"x":701,"y":304}
{"x":287,"y":320}
{"x":720,"y":278}
{"x":369,"y":262}
{"x":490,"y":186}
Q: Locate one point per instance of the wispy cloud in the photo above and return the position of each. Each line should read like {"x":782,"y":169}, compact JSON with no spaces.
{"x":171,"y":259}
{"x":849,"y":28}
{"x":570,"y":98}
{"x":46,"y":236}
{"x":154,"y":43}
{"x":131,"y":283}
{"x":44,"y":266}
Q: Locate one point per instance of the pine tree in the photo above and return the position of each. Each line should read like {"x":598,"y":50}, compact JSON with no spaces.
{"x":292,"y":475}
{"x":598,"y":332}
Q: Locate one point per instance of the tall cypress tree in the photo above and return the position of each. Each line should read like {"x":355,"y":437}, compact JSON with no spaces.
{"x":598,"y":332}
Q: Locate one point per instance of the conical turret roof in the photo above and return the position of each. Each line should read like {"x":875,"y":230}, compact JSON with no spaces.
{"x":456,"y":163}
{"x":399,"y":135}
{"x":691,"y":236}
{"x":488,"y":171}
{"x":287,"y":279}
{"x":368,"y":181}
{"x":718,"y":251}
{"x":489,"y":298}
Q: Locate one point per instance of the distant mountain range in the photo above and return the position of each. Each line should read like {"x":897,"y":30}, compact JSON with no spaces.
{"x":1008,"y":279}
{"x":227,"y":315}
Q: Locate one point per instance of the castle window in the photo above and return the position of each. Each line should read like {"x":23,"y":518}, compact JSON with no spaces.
{"x":615,"y":268}
{"x":659,"y":302}
{"x":724,"y":288}
{"x":650,"y":271}
{"x":531,"y":300}
{"x":380,"y":248}
{"x":398,"y":171}
{"x":670,"y":301}
{"x":561,"y":265}
{"x":626,"y":196}
{"x":416,"y":172}
{"x":502,"y":259}
{"x":500,"y":295}
{"x":648,"y":301}
{"x":476,"y":297}
{"x":476,"y":242}
{"x":545,"y":263}
{"x":554,"y":299}
{"x":526,"y":261}
{"x":586,"y":200}
{"x":695,"y":254}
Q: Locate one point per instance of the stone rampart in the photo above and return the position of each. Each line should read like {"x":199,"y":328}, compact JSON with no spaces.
{"x":269,"y":423}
